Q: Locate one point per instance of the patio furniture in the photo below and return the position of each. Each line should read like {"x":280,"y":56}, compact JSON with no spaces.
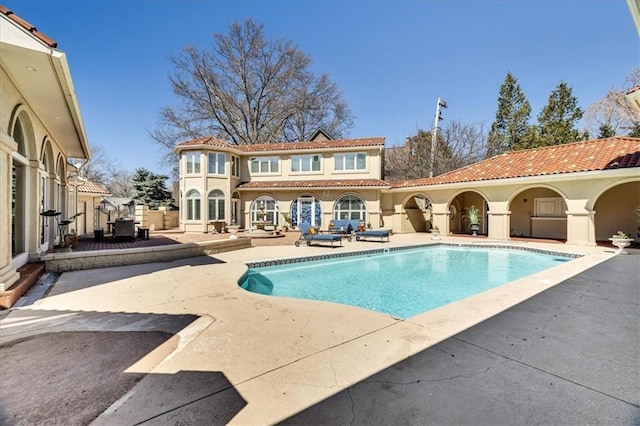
{"x":309,"y":234}
{"x":143,"y":232}
{"x":123,"y":229}
{"x":344,"y":227}
{"x":377,"y":233}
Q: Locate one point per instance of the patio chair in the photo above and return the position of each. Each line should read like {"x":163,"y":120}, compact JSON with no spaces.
{"x":309,"y":234}
{"x":123,"y":229}
{"x":372,"y":233}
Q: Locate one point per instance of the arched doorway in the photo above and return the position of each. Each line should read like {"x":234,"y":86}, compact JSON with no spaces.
{"x":265,"y":211}
{"x":618,"y":209}
{"x":418,"y":214}
{"x":306,"y":208}
{"x":459,"y":208}
{"x":538,"y":213}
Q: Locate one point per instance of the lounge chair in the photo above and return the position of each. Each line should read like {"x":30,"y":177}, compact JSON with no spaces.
{"x":309,"y":234}
{"x":372,"y":233}
{"x":123,"y":229}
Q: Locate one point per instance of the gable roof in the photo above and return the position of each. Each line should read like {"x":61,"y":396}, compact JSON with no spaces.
{"x":285,"y":146}
{"x":595,"y":155}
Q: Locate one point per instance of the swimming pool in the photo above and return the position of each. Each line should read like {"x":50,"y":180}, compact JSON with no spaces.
{"x":400,"y":283}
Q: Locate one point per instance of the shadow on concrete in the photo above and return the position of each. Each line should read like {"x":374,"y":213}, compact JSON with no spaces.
{"x":99,"y":276}
{"x":87,"y":361}
{"x":566,"y":356}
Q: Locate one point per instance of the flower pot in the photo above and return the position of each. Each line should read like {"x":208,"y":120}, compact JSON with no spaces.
{"x":435,"y":234}
{"x":621,"y":243}
{"x":475,"y":227}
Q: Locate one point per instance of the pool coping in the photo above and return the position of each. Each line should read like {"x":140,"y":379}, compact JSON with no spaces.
{"x":306,"y":350}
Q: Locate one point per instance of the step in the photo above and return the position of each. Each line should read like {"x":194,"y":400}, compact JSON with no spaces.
{"x":29,"y":275}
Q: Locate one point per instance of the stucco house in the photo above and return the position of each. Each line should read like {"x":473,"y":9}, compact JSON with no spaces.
{"x":40,"y":129}
{"x":552,"y":192}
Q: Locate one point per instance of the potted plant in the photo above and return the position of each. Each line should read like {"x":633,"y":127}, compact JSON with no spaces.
{"x":435,"y":233}
{"x":621,"y":240}
{"x":473,"y":214}
{"x":286,"y":224}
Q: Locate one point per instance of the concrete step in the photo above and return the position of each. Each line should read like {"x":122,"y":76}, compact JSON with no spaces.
{"x":29,"y":274}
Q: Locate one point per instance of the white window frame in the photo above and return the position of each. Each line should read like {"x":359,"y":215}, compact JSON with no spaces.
{"x":270,"y":163}
{"x":235,"y":166}
{"x":216,"y":200}
{"x":193,"y":201}
{"x":217,"y":163}
{"x":350,"y":212}
{"x":348,"y":162}
{"x":194,"y":162}
{"x":308,"y":161}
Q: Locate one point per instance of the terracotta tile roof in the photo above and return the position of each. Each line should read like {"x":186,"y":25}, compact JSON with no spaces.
{"x":27,"y":26}
{"x":208,"y":140}
{"x":288,"y":146}
{"x":322,"y":144}
{"x":338,"y":183}
{"x":600,"y":154}
{"x":635,"y":89}
{"x":93,"y":188}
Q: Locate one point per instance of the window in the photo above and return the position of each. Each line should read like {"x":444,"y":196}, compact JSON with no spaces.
{"x":193,"y":162}
{"x":350,"y":161}
{"x":549,"y":207}
{"x":305,"y":163}
{"x":265,"y":165}
{"x":217,"y":163}
{"x":265,"y":210}
{"x":193,"y":205}
{"x":235,"y":166}
{"x":216,"y":205}
{"x":350,"y":207}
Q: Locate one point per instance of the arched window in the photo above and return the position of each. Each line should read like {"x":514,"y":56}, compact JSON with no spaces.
{"x":216,"y":205}
{"x":350,"y":207}
{"x":193,"y":205}
{"x":265,"y":210}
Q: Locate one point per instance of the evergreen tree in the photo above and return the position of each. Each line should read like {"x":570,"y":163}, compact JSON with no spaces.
{"x":508,"y":131}
{"x":557,"y":120}
{"x":150,"y":189}
{"x":606,"y":131}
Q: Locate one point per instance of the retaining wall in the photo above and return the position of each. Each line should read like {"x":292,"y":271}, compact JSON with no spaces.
{"x":64,"y":262}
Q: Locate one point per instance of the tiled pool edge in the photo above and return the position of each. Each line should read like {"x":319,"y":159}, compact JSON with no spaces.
{"x":300,"y":259}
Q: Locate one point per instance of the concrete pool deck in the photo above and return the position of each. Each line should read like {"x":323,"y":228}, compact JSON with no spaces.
{"x":243,"y":358}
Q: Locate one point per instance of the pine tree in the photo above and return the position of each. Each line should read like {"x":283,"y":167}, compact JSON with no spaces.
{"x":557,"y":120}
{"x":150,"y":189}
{"x":606,"y":131}
{"x":512,"y":116}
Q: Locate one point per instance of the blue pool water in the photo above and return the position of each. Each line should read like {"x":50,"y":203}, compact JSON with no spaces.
{"x":399,"y":283}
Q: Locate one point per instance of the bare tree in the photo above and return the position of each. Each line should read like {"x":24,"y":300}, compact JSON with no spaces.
{"x":249,"y":90}
{"x":457,"y":145}
{"x":100,"y":168}
{"x":614,"y":111}
{"x":121,"y":184}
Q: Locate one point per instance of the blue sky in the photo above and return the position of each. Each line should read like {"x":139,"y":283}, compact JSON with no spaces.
{"x":390,"y":59}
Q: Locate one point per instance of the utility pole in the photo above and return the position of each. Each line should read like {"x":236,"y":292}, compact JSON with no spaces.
{"x":434,"y":137}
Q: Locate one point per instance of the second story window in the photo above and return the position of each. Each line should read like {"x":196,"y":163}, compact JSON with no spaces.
{"x":217,"y":163}
{"x":265,"y":165}
{"x":235,"y":166}
{"x":350,"y":161}
{"x":193,"y":162}
{"x":305,"y":163}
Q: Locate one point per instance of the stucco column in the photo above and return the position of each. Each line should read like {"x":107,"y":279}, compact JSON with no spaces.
{"x":581,"y":227}
{"x":8,"y":274}
{"x":440,"y":217}
{"x":499,"y":218}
